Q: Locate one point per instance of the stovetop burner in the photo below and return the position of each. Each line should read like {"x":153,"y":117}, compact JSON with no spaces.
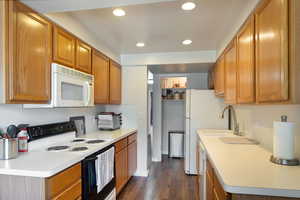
{"x":95,"y":141}
{"x":57,"y":148}
{"x":79,"y":149}
{"x":78,"y":140}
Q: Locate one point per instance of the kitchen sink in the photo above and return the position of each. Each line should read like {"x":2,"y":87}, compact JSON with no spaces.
{"x":238,"y":140}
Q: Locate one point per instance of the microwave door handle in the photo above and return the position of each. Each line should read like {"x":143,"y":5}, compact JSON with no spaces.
{"x":88,"y":93}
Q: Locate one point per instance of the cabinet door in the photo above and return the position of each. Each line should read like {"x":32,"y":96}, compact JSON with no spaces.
{"x":63,"y":47}
{"x":132,"y":158}
{"x":115,"y":83}
{"x":271,"y":19}
{"x":219,"y":77}
{"x":245,"y":63}
{"x":83,"y":57}
{"x":230,"y":74}
{"x":101,"y":76}
{"x":29,"y":49}
{"x":121,"y":169}
{"x":209,"y":187}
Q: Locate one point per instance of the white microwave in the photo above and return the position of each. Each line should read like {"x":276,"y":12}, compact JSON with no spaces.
{"x":69,"y":88}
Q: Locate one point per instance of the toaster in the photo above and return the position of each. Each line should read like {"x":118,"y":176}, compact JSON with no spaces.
{"x":109,"y":121}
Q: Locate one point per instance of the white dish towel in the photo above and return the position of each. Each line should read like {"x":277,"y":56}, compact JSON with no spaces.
{"x":105,"y":168}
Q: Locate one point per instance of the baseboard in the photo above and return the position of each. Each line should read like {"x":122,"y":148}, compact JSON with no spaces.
{"x":143,"y":173}
{"x":165,"y":152}
{"x":156,"y":160}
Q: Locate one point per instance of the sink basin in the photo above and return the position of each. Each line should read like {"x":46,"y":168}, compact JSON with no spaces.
{"x":215,"y":132}
{"x":238,"y":140}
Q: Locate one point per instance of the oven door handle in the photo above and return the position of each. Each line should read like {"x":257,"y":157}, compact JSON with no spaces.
{"x":89,"y":159}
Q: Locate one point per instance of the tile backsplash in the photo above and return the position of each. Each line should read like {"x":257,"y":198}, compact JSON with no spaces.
{"x":256,"y":121}
{"x":16,"y":114}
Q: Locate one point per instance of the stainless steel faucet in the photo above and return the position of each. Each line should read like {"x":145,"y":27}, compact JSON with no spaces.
{"x":236,"y":130}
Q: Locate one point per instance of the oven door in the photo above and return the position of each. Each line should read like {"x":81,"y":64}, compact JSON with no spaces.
{"x":70,"y":91}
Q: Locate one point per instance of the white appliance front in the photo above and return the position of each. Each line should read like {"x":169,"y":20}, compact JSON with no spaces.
{"x":202,"y":112}
{"x":71,"y":88}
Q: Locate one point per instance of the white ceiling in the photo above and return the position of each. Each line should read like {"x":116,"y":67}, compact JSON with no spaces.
{"x":180,"y":68}
{"x":162,"y":26}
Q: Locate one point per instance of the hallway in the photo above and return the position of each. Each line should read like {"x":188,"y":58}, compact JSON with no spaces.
{"x":166,"y":180}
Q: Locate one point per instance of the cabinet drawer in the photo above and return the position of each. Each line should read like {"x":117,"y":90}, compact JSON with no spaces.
{"x":60,"y":182}
{"x":121,"y":144}
{"x":132,"y":138}
{"x":71,"y":193}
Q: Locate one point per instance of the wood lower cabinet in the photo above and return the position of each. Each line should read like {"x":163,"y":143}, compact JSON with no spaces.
{"x":29,"y":55}
{"x":63,"y":47}
{"x":246,"y":63}
{"x":101,"y":77}
{"x":126,"y":160}
{"x":272,"y":64}
{"x":83,"y":57}
{"x":66,"y":185}
{"x":230,"y":73}
{"x":215,"y":191}
{"x":132,"y":159}
{"x":115,"y":81}
{"x":121,"y":168}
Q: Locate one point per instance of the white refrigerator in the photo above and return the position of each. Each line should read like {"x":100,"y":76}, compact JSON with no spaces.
{"x":203,"y":111}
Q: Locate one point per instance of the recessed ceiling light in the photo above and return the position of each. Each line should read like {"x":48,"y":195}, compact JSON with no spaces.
{"x":188,"y":6}
{"x":119,"y":12}
{"x":187,"y":42}
{"x":140,"y":44}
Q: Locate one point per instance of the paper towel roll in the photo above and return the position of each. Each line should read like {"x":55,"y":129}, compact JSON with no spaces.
{"x":284,"y":139}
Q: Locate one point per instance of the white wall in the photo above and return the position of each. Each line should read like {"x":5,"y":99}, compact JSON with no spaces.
{"x":157,"y":120}
{"x":173,"y":120}
{"x":134,"y":110}
{"x":16,"y":114}
{"x":197,"y":81}
{"x":257,"y":122}
{"x":78,"y":29}
{"x":169,"y":58}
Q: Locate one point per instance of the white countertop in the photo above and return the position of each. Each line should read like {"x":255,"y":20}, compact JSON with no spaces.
{"x":246,"y":169}
{"x":46,"y":164}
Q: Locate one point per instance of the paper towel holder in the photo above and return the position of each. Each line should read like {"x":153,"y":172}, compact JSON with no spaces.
{"x":279,"y":161}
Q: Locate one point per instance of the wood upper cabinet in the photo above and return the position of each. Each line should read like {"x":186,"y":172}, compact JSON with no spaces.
{"x":115,"y":80}
{"x":83,"y":57}
{"x":246,"y":63}
{"x":100,"y":66}
{"x":29,"y":55}
{"x":219,"y":76}
{"x":230,"y":73}
{"x":63,"y":47}
{"x":271,"y":19}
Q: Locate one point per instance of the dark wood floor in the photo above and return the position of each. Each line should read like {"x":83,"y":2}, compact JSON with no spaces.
{"x":166,"y":180}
